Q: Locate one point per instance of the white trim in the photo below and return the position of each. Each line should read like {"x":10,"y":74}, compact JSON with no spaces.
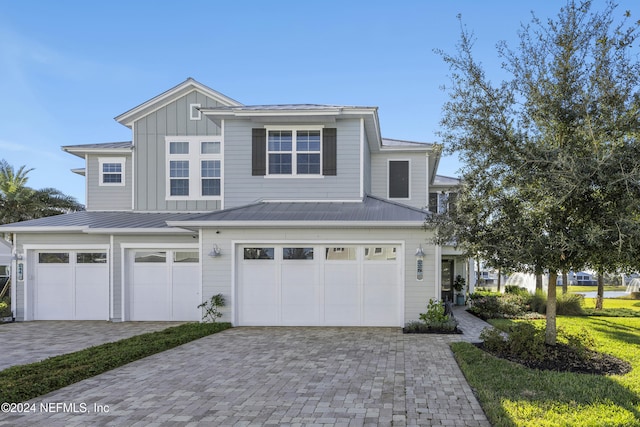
{"x":426,"y":185}
{"x":438,"y":271}
{"x":66,"y":247}
{"x":163,"y":246}
{"x":194,"y":159}
{"x":86,"y":180}
{"x":389,"y":176}
{"x":111,"y":282}
{"x":115,"y":160}
{"x":362,"y":157}
{"x":169,"y":96}
{"x":133,"y":167}
{"x":294,"y":129}
{"x":192,"y":108}
{"x":222,"y":168}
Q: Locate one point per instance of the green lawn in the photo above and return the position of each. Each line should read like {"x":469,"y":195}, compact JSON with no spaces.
{"x":513,"y":395}
{"x":576,"y":289}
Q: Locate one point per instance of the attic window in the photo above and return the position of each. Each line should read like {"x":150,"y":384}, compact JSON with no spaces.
{"x":194,"y":112}
{"x":398,"y":179}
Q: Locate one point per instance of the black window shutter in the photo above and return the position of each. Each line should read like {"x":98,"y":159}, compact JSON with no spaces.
{"x":329,"y":151}
{"x":399,"y":179}
{"x":258,"y":152}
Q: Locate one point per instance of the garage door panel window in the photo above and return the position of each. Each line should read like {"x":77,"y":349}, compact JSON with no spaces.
{"x":186,"y":257}
{"x":144,"y":257}
{"x":91,"y":257}
{"x":340,"y":254}
{"x":380,"y":253}
{"x":297,"y":253}
{"x":53,"y":258}
{"x":259,"y":253}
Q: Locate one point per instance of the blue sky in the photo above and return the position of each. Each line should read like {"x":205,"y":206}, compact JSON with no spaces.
{"x":68,"y":67}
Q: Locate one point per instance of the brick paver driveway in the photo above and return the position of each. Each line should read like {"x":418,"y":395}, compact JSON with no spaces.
{"x":275,"y":376}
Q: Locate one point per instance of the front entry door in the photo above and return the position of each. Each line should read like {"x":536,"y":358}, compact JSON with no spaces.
{"x":446,"y":280}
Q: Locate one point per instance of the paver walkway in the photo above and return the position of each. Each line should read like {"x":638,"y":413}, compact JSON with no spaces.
{"x":279,"y":377}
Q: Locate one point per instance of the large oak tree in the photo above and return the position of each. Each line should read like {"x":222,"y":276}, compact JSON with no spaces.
{"x":551,"y":175}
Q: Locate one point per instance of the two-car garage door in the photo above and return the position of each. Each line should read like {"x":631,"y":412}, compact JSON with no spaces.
{"x":319,"y":285}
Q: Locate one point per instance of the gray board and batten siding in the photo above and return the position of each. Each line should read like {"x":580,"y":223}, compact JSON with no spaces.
{"x":150,"y":133}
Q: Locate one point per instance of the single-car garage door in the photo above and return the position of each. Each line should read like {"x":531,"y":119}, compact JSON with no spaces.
{"x":164,"y":285}
{"x":71,"y":285}
{"x":313,"y":285}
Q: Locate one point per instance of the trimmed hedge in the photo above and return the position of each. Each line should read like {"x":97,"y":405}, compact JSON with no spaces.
{"x":24,"y":382}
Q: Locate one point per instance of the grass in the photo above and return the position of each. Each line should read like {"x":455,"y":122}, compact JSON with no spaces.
{"x":513,"y":395}
{"x":593,"y":288}
{"x":25,"y":382}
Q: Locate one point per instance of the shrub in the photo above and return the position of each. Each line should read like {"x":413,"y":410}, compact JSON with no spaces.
{"x":212,"y":308}
{"x":570,"y":305}
{"x":581,"y":342}
{"x":434,"y":319}
{"x":435,"y":313}
{"x":5,"y":309}
{"x":513,"y":289}
{"x":495,"y":306}
{"x":493,"y":340}
{"x":538,"y":302}
{"x":525,"y":341}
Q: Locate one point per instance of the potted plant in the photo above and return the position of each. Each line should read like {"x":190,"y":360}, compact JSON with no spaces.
{"x":458,"y":286}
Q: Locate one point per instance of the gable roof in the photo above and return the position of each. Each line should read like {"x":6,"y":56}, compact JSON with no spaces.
{"x":127,"y":118}
{"x":370,"y":212}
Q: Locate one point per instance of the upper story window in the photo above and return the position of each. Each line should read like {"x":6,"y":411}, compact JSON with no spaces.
{"x":111,"y":171}
{"x":442,"y":202}
{"x":398,"y":179}
{"x":304,"y":151}
{"x":194,"y":166}
{"x":294,"y":152}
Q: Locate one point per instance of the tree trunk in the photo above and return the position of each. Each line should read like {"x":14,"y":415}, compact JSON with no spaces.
{"x":551,"y":331}
{"x":565,"y":284}
{"x":499,"y":279}
{"x":600,"y":296}
{"x":538,"y":281}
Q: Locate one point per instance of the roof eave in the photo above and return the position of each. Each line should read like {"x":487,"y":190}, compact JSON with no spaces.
{"x":297,"y":224}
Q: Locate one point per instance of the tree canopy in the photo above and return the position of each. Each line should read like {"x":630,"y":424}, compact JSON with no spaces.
{"x":551,"y":175}
{"x":20,"y":203}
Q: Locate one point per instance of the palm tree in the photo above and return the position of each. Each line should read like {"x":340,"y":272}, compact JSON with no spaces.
{"x":20,"y":203}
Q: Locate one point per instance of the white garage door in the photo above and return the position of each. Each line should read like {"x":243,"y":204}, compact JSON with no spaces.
{"x":164,"y":285}
{"x":71,"y":285}
{"x":311,"y":285}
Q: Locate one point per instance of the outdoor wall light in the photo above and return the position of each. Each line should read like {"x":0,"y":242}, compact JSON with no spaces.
{"x":17,"y":257}
{"x":420,"y":252}
{"x":215,"y":251}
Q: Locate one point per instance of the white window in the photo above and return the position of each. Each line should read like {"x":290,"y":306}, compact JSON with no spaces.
{"x":194,"y":168}
{"x":295,"y":152}
{"x":194,"y":112}
{"x":111,"y":171}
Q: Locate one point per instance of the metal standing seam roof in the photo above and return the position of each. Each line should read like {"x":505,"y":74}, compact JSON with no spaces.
{"x":100,"y":220}
{"x":371,"y":209}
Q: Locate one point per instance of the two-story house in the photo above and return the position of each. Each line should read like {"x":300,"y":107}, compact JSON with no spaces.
{"x":296,"y":214}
